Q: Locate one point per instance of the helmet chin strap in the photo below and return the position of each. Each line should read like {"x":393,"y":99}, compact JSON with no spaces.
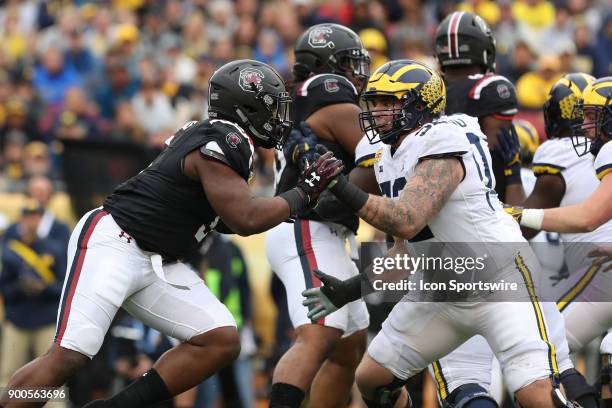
{"x":247,"y":123}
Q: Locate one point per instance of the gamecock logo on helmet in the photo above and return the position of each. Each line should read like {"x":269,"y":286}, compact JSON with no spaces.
{"x":319,"y":38}
{"x":250,"y":79}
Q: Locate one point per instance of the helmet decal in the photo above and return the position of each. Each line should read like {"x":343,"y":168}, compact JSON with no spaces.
{"x":319,"y":37}
{"x":250,"y":79}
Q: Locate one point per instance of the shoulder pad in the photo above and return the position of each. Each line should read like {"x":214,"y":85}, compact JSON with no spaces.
{"x":445,"y":137}
{"x":366,"y":153}
{"x":327,"y":83}
{"x":554,"y":156}
{"x":228,"y":143}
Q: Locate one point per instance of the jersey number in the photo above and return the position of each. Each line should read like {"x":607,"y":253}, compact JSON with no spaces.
{"x":205,"y":229}
{"x":475,"y":140}
{"x":387,"y":190}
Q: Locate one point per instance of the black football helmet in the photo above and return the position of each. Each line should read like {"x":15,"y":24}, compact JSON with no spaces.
{"x":253,"y":95}
{"x":559,"y":107}
{"x":331,"y":48}
{"x":464,"y":38}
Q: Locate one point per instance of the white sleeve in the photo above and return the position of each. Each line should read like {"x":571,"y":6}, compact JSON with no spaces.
{"x":603,"y":161}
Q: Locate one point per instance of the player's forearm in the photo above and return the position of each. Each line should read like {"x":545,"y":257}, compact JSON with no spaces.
{"x":515,"y":194}
{"x":259,"y":215}
{"x":574,"y":218}
{"x":394,"y":217}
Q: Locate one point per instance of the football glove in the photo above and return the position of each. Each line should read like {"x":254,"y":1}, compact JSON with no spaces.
{"x":300,"y":146}
{"x":331,"y":296}
{"x":515,"y":211}
{"x":316,"y":176}
{"x":508,"y":148}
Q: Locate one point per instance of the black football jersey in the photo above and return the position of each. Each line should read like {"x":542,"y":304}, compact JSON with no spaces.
{"x":481,"y":95}
{"x":457,"y":96}
{"x":308,"y":97}
{"x":164,"y":210}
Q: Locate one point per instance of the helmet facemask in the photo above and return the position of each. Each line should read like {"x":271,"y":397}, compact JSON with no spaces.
{"x":272,"y":132}
{"x":594,"y":128}
{"x":411,"y":114}
{"x":353,"y":64}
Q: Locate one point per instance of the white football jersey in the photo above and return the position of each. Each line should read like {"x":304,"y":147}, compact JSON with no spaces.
{"x":558,"y":157}
{"x":365,"y":152}
{"x":473,"y":212}
{"x":603,"y":161}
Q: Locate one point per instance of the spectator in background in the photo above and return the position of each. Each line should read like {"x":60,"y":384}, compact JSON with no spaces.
{"x":180,"y":66}
{"x":566,"y":51}
{"x":17,"y":120}
{"x":488,"y":10}
{"x":13,"y":174}
{"x":125,"y":127}
{"x":375,"y":42}
{"x":269,"y":49}
{"x":521,"y":61}
{"x":53,"y":77}
{"x":13,"y":41}
{"x":246,"y":36}
{"x":223,"y":50}
{"x":31,"y":284}
{"x":222,"y":21}
{"x":195,"y":42}
{"x":41,"y":190}
{"x":98,"y":34}
{"x":118,"y":85}
{"x":603,"y":49}
{"x":561,"y":32}
{"x":534,"y":14}
{"x":79,"y":56}
{"x":78,"y":119}
{"x":585,"y":50}
{"x":154,"y":112}
{"x":532,"y":88}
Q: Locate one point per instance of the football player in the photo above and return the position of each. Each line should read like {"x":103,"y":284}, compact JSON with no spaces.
{"x":465,"y":49}
{"x":128,"y":252}
{"x":438,"y":186}
{"x":331,"y":67}
{"x":587,"y":198}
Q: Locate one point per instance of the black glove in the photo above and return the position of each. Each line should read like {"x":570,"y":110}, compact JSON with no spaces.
{"x":330,"y":208}
{"x":312,"y":181}
{"x":300,"y":146}
{"x":332,"y":295}
{"x":509,"y":148}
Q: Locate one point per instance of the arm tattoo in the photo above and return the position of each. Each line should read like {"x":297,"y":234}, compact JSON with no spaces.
{"x":423,"y":197}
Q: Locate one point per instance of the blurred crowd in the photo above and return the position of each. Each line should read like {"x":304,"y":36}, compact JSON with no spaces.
{"x":133,"y":71}
{"x":136,"y":70}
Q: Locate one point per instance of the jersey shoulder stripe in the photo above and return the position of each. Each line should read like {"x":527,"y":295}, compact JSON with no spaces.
{"x":554,"y":156}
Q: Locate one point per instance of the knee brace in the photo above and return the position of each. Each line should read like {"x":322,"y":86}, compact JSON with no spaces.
{"x":578,"y":389}
{"x":469,"y":396}
{"x":386,"y":396}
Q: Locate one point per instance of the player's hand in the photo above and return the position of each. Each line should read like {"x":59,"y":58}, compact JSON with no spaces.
{"x":300,"y":146}
{"x":603,"y":255}
{"x":515,"y":211}
{"x":327,"y":298}
{"x":508,"y":146}
{"x":318,"y":175}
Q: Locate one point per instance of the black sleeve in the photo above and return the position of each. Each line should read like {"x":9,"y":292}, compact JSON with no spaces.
{"x":229,"y":146}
